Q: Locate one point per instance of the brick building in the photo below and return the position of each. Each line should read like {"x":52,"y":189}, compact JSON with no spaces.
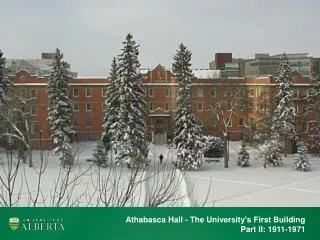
{"x":209,"y":88}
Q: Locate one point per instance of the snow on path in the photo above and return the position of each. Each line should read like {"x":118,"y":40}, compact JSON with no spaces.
{"x":163,"y":172}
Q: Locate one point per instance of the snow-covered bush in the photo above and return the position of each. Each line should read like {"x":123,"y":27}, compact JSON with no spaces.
{"x":244,"y":157}
{"x":213,"y":146}
{"x":100,"y":156}
{"x":301,"y":159}
{"x":271,"y":150}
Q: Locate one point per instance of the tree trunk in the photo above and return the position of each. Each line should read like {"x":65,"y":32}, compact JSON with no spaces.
{"x":285,"y":146}
{"x":226,"y":155}
{"x":30,"y":157}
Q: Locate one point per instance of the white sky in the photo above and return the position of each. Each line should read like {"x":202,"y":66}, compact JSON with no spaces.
{"x":90,"y":32}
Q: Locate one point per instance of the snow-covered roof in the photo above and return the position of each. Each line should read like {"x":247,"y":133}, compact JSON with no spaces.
{"x":206,"y":73}
{"x":144,"y":71}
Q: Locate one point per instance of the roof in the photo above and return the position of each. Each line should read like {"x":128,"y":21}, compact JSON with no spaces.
{"x":206,"y":74}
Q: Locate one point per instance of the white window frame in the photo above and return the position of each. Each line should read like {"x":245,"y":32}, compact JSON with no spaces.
{"x":73,"y":90}
{"x":150,"y":92}
{"x":33,"y":127}
{"x":87,"y":95}
{"x":33,"y":107}
{"x":73,"y":104}
{"x":200,"y":123}
{"x":168,"y":91}
{"x":88,"y":104}
{"x":254,"y":92}
{"x":200,"y":92}
{"x":151,"y":107}
{"x":33,"y":90}
{"x":200,"y":110}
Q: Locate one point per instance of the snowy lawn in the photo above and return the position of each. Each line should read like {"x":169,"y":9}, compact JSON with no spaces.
{"x":159,"y":185}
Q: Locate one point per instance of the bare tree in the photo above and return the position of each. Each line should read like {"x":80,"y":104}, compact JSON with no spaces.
{"x":231,"y":99}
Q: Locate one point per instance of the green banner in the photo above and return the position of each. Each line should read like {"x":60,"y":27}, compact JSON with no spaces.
{"x":159,"y":223}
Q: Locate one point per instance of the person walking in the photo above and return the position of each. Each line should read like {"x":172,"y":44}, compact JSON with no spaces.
{"x":161,"y":158}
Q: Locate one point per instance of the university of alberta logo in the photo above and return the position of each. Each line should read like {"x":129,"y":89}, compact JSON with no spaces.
{"x":14,"y":223}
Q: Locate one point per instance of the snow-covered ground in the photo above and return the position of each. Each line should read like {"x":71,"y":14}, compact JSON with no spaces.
{"x":212,"y":185}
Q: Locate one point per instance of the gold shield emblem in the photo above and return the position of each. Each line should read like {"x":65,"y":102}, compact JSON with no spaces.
{"x":14,"y":223}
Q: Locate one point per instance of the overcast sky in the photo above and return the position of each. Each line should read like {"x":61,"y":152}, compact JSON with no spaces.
{"x":91,"y":32}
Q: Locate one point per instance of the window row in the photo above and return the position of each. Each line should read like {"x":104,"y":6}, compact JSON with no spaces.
{"x":88,"y":107}
{"x":88,"y":92}
{"x":88,"y":121}
{"x":152,"y":107}
{"x":151,"y":92}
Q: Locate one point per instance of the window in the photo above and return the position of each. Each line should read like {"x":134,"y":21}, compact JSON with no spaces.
{"x":150,"y":92}
{"x":33,"y":93}
{"x":168,"y":92}
{"x":213,"y":92}
{"x":76,"y":121}
{"x":200,"y":123}
{"x":309,"y":92}
{"x":88,"y":122}
{"x":199,"y":92}
{"x":241,"y":122}
{"x":261,"y":107}
{"x":295,"y":93}
{"x":104,"y":92}
{"x":252,"y":92}
{"x":88,"y":107}
{"x":76,"y":106}
{"x":75,"y":92}
{"x":167,"y":106}
{"x":302,"y":93}
{"x":33,"y":110}
{"x":34,"y":128}
{"x":241,"y":107}
{"x":88,"y":92}
{"x":151,"y":107}
{"x":251,"y":107}
{"x":200,"y":107}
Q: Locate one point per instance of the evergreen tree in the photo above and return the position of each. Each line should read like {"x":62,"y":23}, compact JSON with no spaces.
{"x":100,"y":156}
{"x":187,"y":135}
{"x":301,"y":159}
{"x":130,"y":134}
{"x":283,"y":120}
{"x":4,"y":81}
{"x":244,"y":157}
{"x":271,"y":150}
{"x":60,"y":109}
{"x":314,"y":109}
{"x":110,"y":122}
{"x":284,"y":113}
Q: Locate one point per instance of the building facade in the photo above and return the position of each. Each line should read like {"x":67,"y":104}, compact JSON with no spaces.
{"x":242,"y":100}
